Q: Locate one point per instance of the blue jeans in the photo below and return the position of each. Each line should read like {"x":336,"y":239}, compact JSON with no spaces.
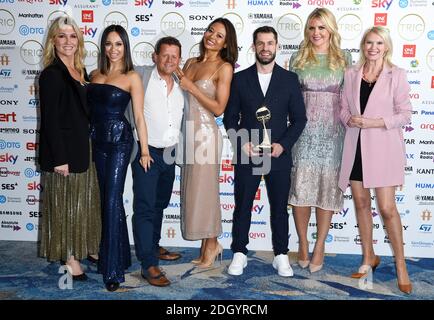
{"x":152,"y":192}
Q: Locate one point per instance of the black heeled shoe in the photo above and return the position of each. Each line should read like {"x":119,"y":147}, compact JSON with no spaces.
{"x":80,"y":277}
{"x":112,"y":286}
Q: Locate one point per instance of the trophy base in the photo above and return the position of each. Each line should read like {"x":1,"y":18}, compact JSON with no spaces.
{"x":261,"y":149}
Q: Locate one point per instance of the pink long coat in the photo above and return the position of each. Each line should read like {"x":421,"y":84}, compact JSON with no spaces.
{"x":383,"y":149}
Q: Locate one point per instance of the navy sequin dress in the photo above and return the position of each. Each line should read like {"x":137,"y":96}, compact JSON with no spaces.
{"x":112,"y":142}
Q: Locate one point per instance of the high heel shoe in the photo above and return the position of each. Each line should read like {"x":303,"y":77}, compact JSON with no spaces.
{"x":315,"y":267}
{"x":209,"y":261}
{"x":406,"y":288}
{"x":196,"y":261}
{"x":364,"y":268}
{"x":303,"y":263}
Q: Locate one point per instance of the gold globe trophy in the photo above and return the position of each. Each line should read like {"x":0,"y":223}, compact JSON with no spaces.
{"x":263,"y":114}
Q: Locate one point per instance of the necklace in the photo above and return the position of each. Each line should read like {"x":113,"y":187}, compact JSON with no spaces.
{"x":370,"y":82}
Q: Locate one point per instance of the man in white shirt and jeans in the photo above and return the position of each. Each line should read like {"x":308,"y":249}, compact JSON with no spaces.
{"x":163,"y":111}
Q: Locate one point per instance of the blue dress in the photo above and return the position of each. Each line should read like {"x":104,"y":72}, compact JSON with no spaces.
{"x":112,"y":142}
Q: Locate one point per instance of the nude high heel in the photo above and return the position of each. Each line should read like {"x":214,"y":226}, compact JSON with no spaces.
{"x":315,"y":267}
{"x":303,"y":263}
{"x":209,"y":261}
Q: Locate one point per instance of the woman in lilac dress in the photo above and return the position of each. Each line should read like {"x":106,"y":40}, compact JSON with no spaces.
{"x":320,"y":65}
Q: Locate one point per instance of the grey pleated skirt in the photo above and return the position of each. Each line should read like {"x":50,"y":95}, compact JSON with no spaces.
{"x":71,"y":218}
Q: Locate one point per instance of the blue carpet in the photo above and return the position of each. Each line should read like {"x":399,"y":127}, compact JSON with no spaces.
{"x":25,"y":276}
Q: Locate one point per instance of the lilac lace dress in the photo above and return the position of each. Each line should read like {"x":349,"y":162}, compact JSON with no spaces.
{"x":318,"y":152}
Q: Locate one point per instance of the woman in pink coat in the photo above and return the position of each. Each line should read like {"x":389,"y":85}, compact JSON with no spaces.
{"x":375,"y":105}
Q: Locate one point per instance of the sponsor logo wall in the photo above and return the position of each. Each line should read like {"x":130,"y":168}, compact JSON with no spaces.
{"x":23,"y":24}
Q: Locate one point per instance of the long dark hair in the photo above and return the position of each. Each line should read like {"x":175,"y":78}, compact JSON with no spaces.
{"x":103,"y":62}
{"x":230,"y":53}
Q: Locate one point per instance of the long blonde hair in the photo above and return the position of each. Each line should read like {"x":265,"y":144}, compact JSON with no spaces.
{"x":50,"y":50}
{"x":306,"y":54}
{"x":385,"y":35}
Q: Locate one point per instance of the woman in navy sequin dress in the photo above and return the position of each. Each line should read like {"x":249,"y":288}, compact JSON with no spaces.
{"x":113,"y":85}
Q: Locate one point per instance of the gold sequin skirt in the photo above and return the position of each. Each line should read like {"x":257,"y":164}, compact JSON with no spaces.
{"x":71,"y":218}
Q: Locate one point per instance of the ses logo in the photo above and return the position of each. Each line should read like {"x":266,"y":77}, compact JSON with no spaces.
{"x":143,"y":18}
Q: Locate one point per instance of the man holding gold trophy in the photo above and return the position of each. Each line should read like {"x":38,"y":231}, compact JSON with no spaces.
{"x":264,"y":117}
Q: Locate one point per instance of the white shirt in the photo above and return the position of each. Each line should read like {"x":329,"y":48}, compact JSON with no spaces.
{"x":264,"y":81}
{"x":163,"y":113}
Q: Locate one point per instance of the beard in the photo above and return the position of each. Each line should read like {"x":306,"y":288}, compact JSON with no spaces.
{"x":266,"y":60}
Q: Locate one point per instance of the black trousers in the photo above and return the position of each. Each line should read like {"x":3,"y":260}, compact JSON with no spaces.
{"x":245,"y":187}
